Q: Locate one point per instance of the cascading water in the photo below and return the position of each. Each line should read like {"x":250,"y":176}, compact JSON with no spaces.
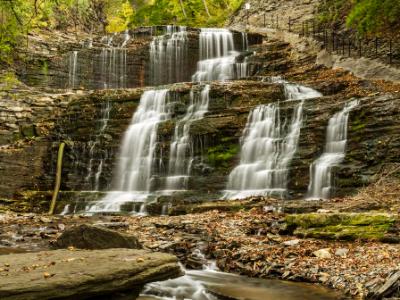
{"x":113,"y":63}
{"x":268,"y":148}
{"x":218,"y":56}
{"x":320,"y":186}
{"x":169,"y":56}
{"x":73,"y":65}
{"x":181,"y":150}
{"x":136,"y":158}
{"x":94,"y":144}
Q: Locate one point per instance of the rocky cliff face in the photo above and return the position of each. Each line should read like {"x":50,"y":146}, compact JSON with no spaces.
{"x":373,"y":141}
{"x":93,"y":123}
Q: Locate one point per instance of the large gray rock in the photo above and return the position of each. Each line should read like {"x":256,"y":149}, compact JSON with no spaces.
{"x":95,"y":237}
{"x":82,"y":274}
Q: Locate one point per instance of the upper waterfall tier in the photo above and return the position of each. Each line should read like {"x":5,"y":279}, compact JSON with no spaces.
{"x":218,"y":56}
{"x":169,"y":56}
{"x":146,"y":56}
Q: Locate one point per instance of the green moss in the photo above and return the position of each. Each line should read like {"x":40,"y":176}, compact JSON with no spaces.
{"x":45,"y":68}
{"x":342,"y":232}
{"x":28,"y":131}
{"x":353,"y":219}
{"x":357,"y":127}
{"x":8,"y":80}
{"x":342,"y":226}
{"x":219,"y":156}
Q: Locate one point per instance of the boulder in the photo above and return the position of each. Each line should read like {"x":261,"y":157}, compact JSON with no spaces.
{"x":95,"y":237}
{"x":82,"y":274}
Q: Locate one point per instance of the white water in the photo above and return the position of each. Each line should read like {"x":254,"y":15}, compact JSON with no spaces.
{"x":136,"y":159}
{"x":218,"y":56}
{"x":94,"y":144}
{"x":268,"y":146}
{"x":73,"y":65}
{"x":113,"y":63}
{"x":181,"y":150}
{"x":321,"y":179}
{"x":200,"y":285}
{"x":168,"y":56}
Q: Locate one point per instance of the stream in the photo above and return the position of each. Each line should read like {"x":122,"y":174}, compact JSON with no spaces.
{"x":213,"y":285}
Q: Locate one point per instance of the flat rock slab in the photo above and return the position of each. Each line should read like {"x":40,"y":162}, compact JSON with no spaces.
{"x":81,"y":274}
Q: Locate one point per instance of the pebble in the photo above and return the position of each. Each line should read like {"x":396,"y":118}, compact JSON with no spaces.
{"x":342,"y":252}
{"x":291,"y":242}
{"x":323,"y":253}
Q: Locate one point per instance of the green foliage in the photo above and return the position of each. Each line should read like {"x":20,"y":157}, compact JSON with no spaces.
{"x":375,"y":16}
{"x":185,"y":12}
{"x":368,"y":17}
{"x":120,"y":14}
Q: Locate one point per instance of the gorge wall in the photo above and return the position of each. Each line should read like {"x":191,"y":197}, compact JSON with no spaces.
{"x":92,"y":124}
{"x":373,"y":141}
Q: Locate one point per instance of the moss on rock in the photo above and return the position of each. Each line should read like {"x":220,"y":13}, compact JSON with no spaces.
{"x":220,"y":155}
{"x":341,"y":226}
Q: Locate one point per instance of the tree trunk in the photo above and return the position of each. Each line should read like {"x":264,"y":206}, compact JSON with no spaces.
{"x":206,"y":8}
{"x":183,"y":8}
{"x":58,"y":178}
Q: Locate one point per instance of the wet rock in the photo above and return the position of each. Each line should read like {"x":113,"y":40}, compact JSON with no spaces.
{"x":95,"y":237}
{"x":82,"y":274}
{"x":391,"y":285}
{"x":323,"y":253}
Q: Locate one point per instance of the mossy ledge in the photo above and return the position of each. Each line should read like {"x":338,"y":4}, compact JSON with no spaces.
{"x":344,"y":226}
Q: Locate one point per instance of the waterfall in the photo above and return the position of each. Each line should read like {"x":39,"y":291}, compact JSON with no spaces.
{"x":217,"y":56}
{"x":73,"y":64}
{"x":245,"y":41}
{"x":334,"y":153}
{"x":113,"y":63}
{"x":181,"y":145}
{"x":268,"y":147}
{"x":94,"y":145}
{"x":169,"y":56}
{"x":136,"y":158}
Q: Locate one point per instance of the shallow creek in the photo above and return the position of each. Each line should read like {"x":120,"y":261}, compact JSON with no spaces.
{"x":210,"y":284}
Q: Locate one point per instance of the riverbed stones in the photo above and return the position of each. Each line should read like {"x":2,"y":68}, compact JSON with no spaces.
{"x":95,"y":237}
{"x":82,"y":274}
{"x":342,"y":252}
{"x":323,"y":253}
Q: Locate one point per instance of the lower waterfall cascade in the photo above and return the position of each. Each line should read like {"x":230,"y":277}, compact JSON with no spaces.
{"x":95,"y":167}
{"x":269,"y":140}
{"x":181,"y":144}
{"x":321,"y":179}
{"x":268,"y":148}
{"x":136,"y":158}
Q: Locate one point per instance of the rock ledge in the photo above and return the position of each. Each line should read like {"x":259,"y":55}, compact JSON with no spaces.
{"x":81,"y":274}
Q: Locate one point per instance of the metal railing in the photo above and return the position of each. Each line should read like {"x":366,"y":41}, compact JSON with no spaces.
{"x":347,"y":43}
